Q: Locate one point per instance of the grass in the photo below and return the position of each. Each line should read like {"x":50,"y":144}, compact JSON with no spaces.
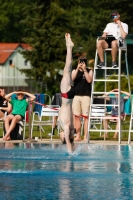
{"x":47,"y":129}
{"x":36,"y":132}
{"x":93,"y":135}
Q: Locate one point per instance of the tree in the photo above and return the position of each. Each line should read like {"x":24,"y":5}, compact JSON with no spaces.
{"x":10,"y":15}
{"x":46,"y":24}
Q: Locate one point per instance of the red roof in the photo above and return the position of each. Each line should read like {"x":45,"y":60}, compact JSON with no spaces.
{"x":6,"y":50}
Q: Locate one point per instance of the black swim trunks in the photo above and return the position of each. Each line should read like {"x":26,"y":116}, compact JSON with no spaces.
{"x":70,"y":94}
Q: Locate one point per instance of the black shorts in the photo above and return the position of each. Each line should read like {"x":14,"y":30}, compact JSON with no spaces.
{"x":22,"y":117}
{"x":109,"y":40}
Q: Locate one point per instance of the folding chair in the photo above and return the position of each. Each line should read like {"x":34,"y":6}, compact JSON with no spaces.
{"x":97,"y":111}
{"x":46,"y":112}
{"x":126,"y":112}
{"x":56,"y":100}
{"x":25,"y":121}
{"x":2,"y":122}
{"x":40,"y":100}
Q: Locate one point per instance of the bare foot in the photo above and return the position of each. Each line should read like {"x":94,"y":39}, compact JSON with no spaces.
{"x":85,"y":140}
{"x":106,"y":136}
{"x":6,"y":137}
{"x":68,"y":40}
{"x":77,"y":139}
{"x":115,"y":136}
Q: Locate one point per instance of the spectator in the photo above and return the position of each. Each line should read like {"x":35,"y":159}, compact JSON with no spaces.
{"x":114,"y":110}
{"x":67,"y":94}
{"x":5,"y":106}
{"x":19,"y":106}
{"x":82,"y":77}
{"x":117,"y":29}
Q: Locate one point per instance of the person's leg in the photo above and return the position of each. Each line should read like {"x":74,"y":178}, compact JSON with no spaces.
{"x":7,"y":120}
{"x":105,"y":125}
{"x":54,"y":124}
{"x":85,"y":107}
{"x":85,"y":129}
{"x":15,"y":119}
{"x":77,"y":126}
{"x":101,"y":45}
{"x":76,"y":108}
{"x":114,"y":46}
{"x":66,"y":81}
{"x":1,"y":115}
{"x":117,"y":127}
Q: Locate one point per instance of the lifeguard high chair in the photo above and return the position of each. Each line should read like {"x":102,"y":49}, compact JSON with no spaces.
{"x":107,"y":72}
{"x":131,"y":121}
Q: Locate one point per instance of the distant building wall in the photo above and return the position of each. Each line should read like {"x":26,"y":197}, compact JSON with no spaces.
{"x":10,"y":76}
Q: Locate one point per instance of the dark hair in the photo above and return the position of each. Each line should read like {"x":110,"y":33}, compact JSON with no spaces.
{"x":71,"y":138}
{"x":20,"y":91}
{"x":64,"y":141}
{"x":1,"y":88}
{"x":82,"y":59}
{"x":113,"y":13}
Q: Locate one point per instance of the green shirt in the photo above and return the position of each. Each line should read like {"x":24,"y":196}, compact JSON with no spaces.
{"x":19,"y":106}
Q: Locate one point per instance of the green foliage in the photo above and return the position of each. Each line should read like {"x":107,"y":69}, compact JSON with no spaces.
{"x":43,"y":24}
{"x":45,"y":33}
{"x":100,"y":86}
{"x":10,"y":15}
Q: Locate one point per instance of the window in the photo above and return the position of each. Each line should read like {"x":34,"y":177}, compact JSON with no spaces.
{"x":10,"y":62}
{"x":25,"y":63}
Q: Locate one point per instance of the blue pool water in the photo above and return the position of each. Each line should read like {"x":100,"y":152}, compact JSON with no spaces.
{"x":47,"y":172}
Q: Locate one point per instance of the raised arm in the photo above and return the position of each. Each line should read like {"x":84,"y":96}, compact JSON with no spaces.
{"x":88,"y":75}
{"x":32,"y":97}
{"x":75,"y":72}
{"x":106,"y":96}
{"x":126,"y":93}
{"x":9,"y":95}
{"x":123,"y":33}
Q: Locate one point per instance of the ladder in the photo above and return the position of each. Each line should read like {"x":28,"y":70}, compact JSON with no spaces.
{"x":99,"y":94}
{"x":131,"y":121}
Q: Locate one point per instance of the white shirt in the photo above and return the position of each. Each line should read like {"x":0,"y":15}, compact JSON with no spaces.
{"x":113,"y":29}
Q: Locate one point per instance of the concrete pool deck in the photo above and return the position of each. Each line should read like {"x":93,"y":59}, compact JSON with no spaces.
{"x":57,"y":141}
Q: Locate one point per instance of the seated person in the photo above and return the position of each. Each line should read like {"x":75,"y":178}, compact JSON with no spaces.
{"x":19,"y":106}
{"x":114,"y":111}
{"x":116,"y":28}
{"x":5,"y":106}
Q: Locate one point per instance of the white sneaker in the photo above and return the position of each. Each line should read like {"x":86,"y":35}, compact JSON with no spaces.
{"x":49,"y":134}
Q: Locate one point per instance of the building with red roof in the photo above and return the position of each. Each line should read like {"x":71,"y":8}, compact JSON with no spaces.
{"x":11,"y":62}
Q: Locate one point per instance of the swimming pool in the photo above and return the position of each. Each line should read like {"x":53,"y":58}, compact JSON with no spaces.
{"x":40,"y":171}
